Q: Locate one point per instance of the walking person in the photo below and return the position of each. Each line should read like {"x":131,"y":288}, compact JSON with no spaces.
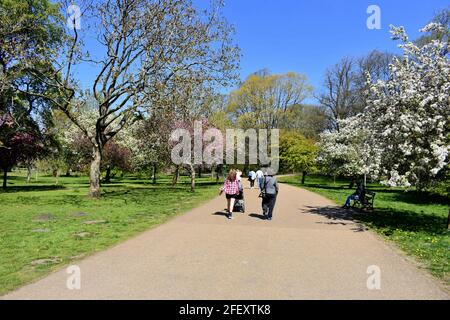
{"x":260,"y":178}
{"x":231,"y":188}
{"x":239,"y":175}
{"x":252,"y":178}
{"x":269,"y":194}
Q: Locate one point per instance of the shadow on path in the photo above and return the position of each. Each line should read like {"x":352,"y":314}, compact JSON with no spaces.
{"x":257,"y":216}
{"x":332,"y":213}
{"x":338,"y":216}
{"x":220,"y":213}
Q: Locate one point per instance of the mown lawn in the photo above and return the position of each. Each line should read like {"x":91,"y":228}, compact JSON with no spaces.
{"x":44,"y":226}
{"x":415,"y":221}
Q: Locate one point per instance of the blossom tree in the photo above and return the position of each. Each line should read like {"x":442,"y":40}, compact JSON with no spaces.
{"x":408,"y":114}
{"x":115,"y":157}
{"x":146,"y":49}
{"x":403,"y":132}
{"x":194,"y":129}
{"x":349,"y":152}
{"x":147,"y":141}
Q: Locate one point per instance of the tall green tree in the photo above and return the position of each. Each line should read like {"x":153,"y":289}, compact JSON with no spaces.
{"x":297,"y":153}
{"x":309,"y":120}
{"x":264,"y":99}
{"x":31,"y":32}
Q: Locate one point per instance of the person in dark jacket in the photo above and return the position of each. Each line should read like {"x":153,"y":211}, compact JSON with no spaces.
{"x":269,"y":193}
{"x":359,"y":194}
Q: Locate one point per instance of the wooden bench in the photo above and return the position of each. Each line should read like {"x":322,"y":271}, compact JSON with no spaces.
{"x":366,"y":203}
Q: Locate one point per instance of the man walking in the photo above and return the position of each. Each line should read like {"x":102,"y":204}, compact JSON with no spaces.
{"x":269,"y":194}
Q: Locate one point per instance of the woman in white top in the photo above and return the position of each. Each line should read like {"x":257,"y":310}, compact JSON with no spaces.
{"x":260,"y":178}
{"x":238,"y":175}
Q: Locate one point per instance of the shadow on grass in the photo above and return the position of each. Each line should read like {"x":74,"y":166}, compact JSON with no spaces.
{"x":165,"y":183}
{"x":150,"y":193}
{"x":65,"y":199}
{"x":391,"y":220}
{"x":416,"y":197}
{"x":377,"y":189}
{"x":326,"y":187}
{"x":128,"y":190}
{"x":412,"y":197}
{"x":28,"y":188}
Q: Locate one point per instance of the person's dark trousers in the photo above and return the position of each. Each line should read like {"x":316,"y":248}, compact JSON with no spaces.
{"x":252,"y":183}
{"x":268,"y":204}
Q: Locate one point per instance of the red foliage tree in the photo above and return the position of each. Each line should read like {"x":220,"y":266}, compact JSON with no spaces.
{"x":21,"y":147}
{"x":115,"y":156}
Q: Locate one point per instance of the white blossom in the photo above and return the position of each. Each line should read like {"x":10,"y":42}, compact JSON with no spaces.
{"x":403,"y":132}
{"x":408,"y":114}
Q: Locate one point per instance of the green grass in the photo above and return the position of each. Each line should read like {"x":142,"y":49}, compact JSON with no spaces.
{"x":128,"y":206}
{"x":415,"y":221}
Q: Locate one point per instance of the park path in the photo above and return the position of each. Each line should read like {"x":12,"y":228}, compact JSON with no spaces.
{"x":309,"y":251}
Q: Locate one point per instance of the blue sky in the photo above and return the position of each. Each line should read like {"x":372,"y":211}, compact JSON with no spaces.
{"x":308,"y":36}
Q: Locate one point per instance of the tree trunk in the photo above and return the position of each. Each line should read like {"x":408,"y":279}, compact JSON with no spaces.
{"x":448,"y":220}
{"x":192,"y":178}
{"x":29,"y":173}
{"x":154,"y":174}
{"x":218,"y":172}
{"x":304,"y":177}
{"x":199,"y":171}
{"x":352,"y":183}
{"x":95,"y":174}
{"x":56,"y":176}
{"x":108,"y":174}
{"x":5,"y":177}
{"x":176,"y":174}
